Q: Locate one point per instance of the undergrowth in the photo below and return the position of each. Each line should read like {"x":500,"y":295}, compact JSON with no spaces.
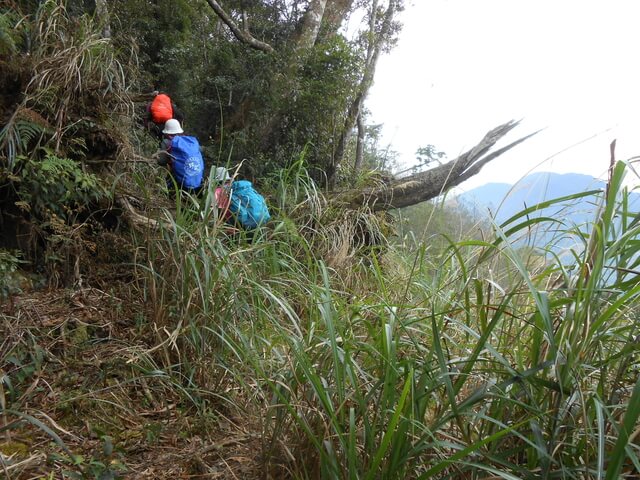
{"x":482,"y":361}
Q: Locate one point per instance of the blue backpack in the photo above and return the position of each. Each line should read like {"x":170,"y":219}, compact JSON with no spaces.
{"x":247,"y":205}
{"x":188,"y":166}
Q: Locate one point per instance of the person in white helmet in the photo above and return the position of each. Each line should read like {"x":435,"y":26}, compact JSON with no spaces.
{"x":170,"y":129}
{"x":182,"y":156}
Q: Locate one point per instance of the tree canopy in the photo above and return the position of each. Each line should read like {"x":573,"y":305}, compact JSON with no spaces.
{"x":264,"y":80}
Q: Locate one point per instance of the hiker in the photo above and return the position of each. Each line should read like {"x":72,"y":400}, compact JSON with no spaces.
{"x":181,"y":155}
{"x":159,"y":110}
{"x":222,"y":192}
{"x":239,"y":204}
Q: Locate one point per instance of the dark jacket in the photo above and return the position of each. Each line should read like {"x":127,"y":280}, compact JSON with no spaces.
{"x":164,"y":158}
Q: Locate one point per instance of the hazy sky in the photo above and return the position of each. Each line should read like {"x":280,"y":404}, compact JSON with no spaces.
{"x":463,"y":67}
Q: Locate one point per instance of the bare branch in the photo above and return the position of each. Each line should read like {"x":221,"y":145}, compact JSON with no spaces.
{"x":134,"y":218}
{"x":242,"y":35}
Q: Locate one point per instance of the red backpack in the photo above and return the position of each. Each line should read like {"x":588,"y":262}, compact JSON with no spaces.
{"x":223,"y":201}
{"x":161,"y":109}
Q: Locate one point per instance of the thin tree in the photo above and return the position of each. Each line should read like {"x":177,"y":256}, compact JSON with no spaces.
{"x":376,"y":42}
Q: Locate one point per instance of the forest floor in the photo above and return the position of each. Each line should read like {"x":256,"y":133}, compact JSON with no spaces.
{"x":89,"y":403}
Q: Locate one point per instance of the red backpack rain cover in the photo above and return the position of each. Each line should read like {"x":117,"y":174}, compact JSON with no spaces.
{"x":161,"y":109}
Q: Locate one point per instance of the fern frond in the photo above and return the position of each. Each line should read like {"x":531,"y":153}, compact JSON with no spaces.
{"x":23,"y":132}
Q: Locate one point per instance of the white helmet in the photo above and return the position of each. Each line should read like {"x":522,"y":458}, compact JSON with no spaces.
{"x":172,"y":127}
{"x":221,"y":174}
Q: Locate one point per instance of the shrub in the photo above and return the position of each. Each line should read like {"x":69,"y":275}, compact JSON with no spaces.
{"x":56,"y":185}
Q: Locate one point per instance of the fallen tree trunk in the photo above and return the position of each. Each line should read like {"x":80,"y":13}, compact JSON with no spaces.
{"x":431,"y":183}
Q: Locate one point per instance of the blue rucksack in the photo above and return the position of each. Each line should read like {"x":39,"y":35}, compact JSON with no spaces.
{"x":247,"y":205}
{"x":187,"y":166}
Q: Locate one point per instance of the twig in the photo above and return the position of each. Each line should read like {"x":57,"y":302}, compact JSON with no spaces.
{"x":3,"y":406}
{"x":220,"y":445}
{"x":32,"y":459}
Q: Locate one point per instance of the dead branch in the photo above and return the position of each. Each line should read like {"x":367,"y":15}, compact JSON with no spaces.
{"x":242,"y":35}
{"x":434,"y":182}
{"x":135,"y":219}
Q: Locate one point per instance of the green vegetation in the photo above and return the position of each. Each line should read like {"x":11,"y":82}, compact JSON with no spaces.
{"x":394,"y":364}
{"x":55,"y":185}
{"x":332,"y":343}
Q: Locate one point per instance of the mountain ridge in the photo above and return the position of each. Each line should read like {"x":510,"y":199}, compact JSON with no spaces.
{"x":503,"y":200}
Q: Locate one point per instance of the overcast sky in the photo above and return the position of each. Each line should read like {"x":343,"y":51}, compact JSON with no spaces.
{"x":463,"y":67}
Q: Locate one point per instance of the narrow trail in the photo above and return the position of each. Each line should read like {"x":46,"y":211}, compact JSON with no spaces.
{"x":86,"y":375}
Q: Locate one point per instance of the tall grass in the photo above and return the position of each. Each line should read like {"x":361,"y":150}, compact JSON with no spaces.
{"x":484,"y":362}
{"x":69,"y":73}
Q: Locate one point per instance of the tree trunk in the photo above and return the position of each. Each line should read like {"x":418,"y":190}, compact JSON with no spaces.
{"x":309,"y":27}
{"x":430,"y":184}
{"x":359,"y":146}
{"x":102,"y":12}
{"x":335,"y":14}
{"x":304,"y":37}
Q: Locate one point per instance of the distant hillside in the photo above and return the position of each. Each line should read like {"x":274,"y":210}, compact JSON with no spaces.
{"x":501,"y":201}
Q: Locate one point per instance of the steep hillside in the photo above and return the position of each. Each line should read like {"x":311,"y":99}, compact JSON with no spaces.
{"x":143,"y":335}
